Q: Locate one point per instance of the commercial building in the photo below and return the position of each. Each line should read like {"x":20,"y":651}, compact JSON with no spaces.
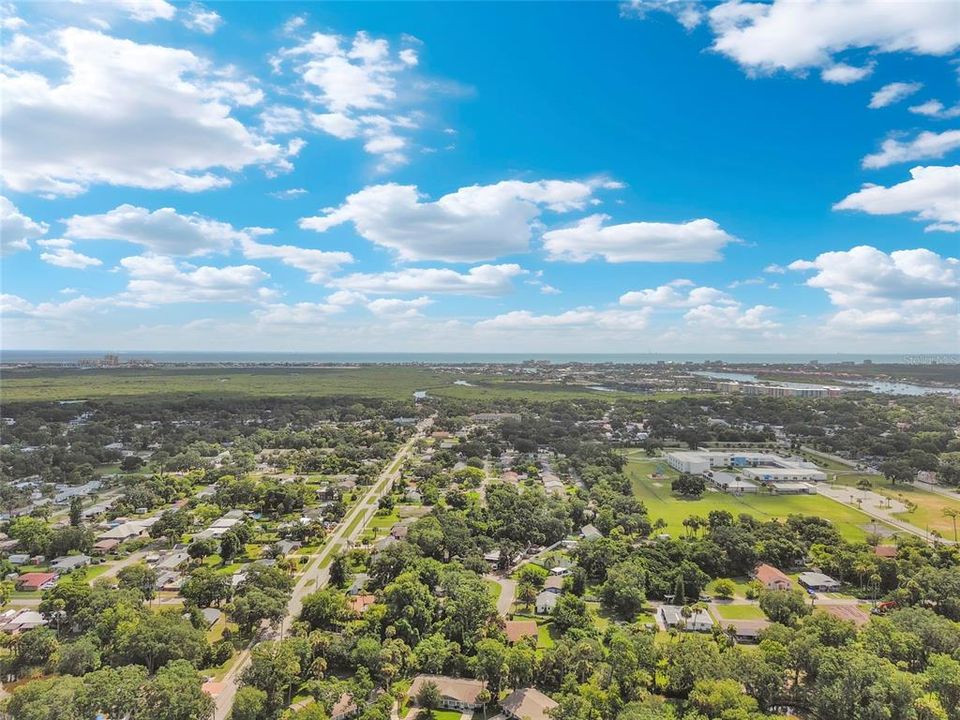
{"x":757,"y":466}
{"x":728,"y":483}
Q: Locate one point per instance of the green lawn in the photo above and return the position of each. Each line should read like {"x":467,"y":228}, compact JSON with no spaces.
{"x":739,"y":612}
{"x":661,"y":503}
{"x":740,"y":584}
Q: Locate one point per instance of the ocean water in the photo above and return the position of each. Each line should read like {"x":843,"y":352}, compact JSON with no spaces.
{"x":73,"y":356}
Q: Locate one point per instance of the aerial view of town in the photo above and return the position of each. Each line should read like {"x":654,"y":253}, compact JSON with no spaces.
{"x":454,"y":360}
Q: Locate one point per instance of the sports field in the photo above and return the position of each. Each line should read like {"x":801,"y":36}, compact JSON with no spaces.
{"x":661,"y":503}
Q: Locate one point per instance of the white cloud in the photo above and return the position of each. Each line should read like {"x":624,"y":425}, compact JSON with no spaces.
{"x":586,"y":318}
{"x":319,"y":264}
{"x":60,"y":252}
{"x":687,"y":13}
{"x":288,"y":194}
{"x":865,"y":275}
{"x":163,"y":120}
{"x":668,"y":296}
{"x":304,"y":313}
{"x":931,"y":194}
{"x":482,"y":280}
{"x":201,"y":19}
{"x":397,"y":308}
{"x":156,"y":280}
{"x":362,"y":84}
{"x":695,"y":241}
{"x":281,"y":120}
{"x":731,"y":317}
{"x":162,"y":231}
{"x":479,"y":222}
{"x":936,"y":109}
{"x":924,"y":146}
{"x":843,"y":74}
{"x":138,"y":10}
{"x":794,"y":36}
{"x":905,"y":291}
{"x":892,"y":93}
{"x":78,"y":308}
{"x":16,"y":229}
{"x":775,"y":269}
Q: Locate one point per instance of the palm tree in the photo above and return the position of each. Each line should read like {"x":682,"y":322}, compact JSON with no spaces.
{"x":953,"y":514}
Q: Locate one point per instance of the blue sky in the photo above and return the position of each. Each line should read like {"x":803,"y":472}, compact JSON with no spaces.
{"x":646,"y":177}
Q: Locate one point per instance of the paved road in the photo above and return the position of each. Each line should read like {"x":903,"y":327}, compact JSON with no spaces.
{"x":877,"y":509}
{"x":317,"y":573}
{"x":508,"y":589}
{"x":936,"y":489}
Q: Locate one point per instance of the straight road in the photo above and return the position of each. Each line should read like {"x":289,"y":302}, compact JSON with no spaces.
{"x":317,"y":574}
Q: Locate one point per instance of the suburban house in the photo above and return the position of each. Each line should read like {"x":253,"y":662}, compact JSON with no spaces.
{"x":553,"y":582}
{"x":699,"y":620}
{"x":744,"y":631}
{"x":32,"y":581}
{"x":344,"y":708}
{"x":516,"y":630}
{"x":527,"y":704}
{"x":455,"y":693}
{"x":17,"y":621}
{"x":771,"y":578}
{"x":102,"y":547}
{"x":818,"y":581}
{"x":69,"y":562}
{"x":360,"y":603}
{"x":547,"y":601}
{"x":590,"y":532}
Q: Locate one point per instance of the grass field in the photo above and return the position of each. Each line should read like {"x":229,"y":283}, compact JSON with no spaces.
{"x":391,"y":382}
{"x":740,"y":612}
{"x":661,"y":503}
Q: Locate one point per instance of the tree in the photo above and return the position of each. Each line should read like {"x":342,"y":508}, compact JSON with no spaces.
{"x":155,"y":639}
{"x":140,"y":577}
{"x":784,"y":606}
{"x":76,"y":511}
{"x":249,"y":704}
{"x":274,"y":667}
{"x":45,"y":700}
{"x":33,"y":533}
{"x":200,"y":549}
{"x":624,"y":591}
{"x":570,"y":612}
{"x":689,"y":486}
{"x":230,"y":546}
{"x":339,"y":570}
{"x":724,"y":588}
{"x":79,"y":657}
{"x":175,"y":693}
{"x":953,"y":514}
{"x":205,"y":587}
{"x":325,"y":609}
{"x":253,"y":606}
{"x":428,"y":696}
{"x":35,"y":647}
{"x":112,"y":691}
{"x":490,"y":663}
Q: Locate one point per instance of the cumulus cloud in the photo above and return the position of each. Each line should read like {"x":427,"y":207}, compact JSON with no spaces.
{"x":163,"y":120}
{"x":482,"y":280}
{"x":764,"y":37}
{"x":156,"y":280}
{"x":843,"y":74}
{"x":137,"y":10}
{"x":924,"y":146}
{"x":936,"y":110}
{"x":480,"y":222}
{"x":731,"y":317}
{"x":676,"y":295}
{"x":163,"y":231}
{"x":930,"y":194}
{"x":318,"y":264}
{"x":865,"y":274}
{"x":887,"y":292}
{"x":202,"y":19}
{"x":396,"y":308}
{"x":16,"y":229}
{"x":695,"y":241}
{"x":364,"y":86}
{"x":586,"y":318}
{"x":892,"y":93}
{"x":304,"y":313}
{"x":60,"y":252}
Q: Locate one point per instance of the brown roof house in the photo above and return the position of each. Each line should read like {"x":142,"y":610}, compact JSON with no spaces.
{"x":527,"y":704}
{"x":771,"y":578}
{"x":455,"y":693}
{"x":516,"y":630}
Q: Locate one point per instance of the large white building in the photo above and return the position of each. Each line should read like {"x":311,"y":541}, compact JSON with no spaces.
{"x":756,"y":466}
